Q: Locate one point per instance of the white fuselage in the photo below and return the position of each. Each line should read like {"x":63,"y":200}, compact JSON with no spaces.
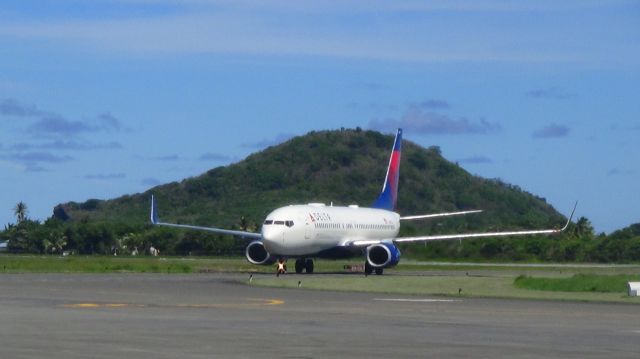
{"x":306,"y":230}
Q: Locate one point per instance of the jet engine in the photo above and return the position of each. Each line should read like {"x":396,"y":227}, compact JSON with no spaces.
{"x":257,"y":254}
{"x":383,"y":255}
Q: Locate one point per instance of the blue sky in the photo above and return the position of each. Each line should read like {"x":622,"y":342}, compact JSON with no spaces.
{"x":110,"y":97}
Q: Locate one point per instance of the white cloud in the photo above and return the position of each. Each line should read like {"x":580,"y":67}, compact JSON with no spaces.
{"x":105,"y":176}
{"x":551,"y":131}
{"x":416,"y":120}
{"x":478,"y":159}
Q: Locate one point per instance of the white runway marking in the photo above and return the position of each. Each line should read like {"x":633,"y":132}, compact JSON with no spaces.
{"x":426,"y":300}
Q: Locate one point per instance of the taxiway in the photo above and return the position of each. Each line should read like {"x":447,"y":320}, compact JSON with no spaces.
{"x":212,"y":315}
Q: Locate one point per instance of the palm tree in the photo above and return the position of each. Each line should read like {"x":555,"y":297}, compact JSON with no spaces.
{"x":584,"y":227}
{"x":54,"y":243}
{"x":20,"y":211}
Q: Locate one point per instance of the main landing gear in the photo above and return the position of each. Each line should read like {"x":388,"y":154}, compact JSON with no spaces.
{"x":368,"y":269}
{"x":305,"y":264}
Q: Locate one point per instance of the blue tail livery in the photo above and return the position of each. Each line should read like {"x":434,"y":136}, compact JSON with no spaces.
{"x":389,"y":195}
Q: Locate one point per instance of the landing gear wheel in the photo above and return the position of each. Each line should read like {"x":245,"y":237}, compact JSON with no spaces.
{"x":379,"y":271}
{"x":368,"y":269}
{"x":308,"y":266}
{"x":299,"y":265}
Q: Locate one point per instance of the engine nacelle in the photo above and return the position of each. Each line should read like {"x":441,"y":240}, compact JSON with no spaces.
{"x":257,"y":254}
{"x":383,"y":255}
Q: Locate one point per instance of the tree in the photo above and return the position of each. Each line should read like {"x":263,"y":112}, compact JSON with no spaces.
{"x":20,"y":211}
{"x":54,"y":242}
{"x":584,"y":228}
{"x":24,"y":237}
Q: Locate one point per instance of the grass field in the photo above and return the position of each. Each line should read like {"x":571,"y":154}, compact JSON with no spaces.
{"x":578,"y":283}
{"x":106,"y":264}
{"x":439,"y":284}
{"x":103,"y":264}
{"x":527,"y":281}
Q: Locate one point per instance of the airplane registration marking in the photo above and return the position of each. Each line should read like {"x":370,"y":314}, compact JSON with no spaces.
{"x":252,"y":303}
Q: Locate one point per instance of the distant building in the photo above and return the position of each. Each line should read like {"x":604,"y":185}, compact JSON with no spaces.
{"x":3,"y":246}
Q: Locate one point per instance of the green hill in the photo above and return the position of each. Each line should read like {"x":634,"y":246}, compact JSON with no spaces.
{"x":343,"y":166}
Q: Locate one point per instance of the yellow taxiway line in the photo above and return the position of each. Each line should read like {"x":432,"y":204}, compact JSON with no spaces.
{"x":252,"y":303}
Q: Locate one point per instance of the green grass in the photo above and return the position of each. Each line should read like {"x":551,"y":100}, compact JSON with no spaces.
{"x":578,"y":283}
{"x":11,"y":263}
{"x":104,"y":264}
{"x":95,"y":264}
{"x":474,"y":280}
{"x":452,"y":286}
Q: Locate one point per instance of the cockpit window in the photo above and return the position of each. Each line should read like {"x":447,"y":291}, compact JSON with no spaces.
{"x":280,"y":223}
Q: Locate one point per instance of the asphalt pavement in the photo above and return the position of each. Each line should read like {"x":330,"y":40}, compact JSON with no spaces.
{"x":213,"y":316}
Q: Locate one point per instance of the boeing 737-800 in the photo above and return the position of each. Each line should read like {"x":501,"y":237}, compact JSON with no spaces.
{"x":315,"y":230}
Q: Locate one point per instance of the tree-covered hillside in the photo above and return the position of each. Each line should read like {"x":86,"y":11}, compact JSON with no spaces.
{"x":343,"y":167}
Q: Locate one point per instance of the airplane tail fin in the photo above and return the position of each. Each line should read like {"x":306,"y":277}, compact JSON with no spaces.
{"x":389,"y":195}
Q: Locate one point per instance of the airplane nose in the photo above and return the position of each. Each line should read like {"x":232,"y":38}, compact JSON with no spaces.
{"x":273,"y":239}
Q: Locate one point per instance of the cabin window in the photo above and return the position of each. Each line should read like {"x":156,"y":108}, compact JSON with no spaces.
{"x":268,"y":221}
{"x":289,"y":223}
{"x":280,"y":223}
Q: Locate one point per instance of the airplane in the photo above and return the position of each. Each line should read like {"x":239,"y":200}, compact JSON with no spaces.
{"x":315,"y":230}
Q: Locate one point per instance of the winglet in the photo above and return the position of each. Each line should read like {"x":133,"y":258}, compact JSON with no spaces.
{"x":154,"y":211}
{"x":570,"y":217}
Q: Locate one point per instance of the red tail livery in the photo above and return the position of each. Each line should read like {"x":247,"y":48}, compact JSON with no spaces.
{"x":388,"y":198}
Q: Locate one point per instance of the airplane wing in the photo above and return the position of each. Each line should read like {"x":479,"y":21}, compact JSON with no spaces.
{"x":444,"y":237}
{"x":156,"y":221}
{"x":447,"y":214}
